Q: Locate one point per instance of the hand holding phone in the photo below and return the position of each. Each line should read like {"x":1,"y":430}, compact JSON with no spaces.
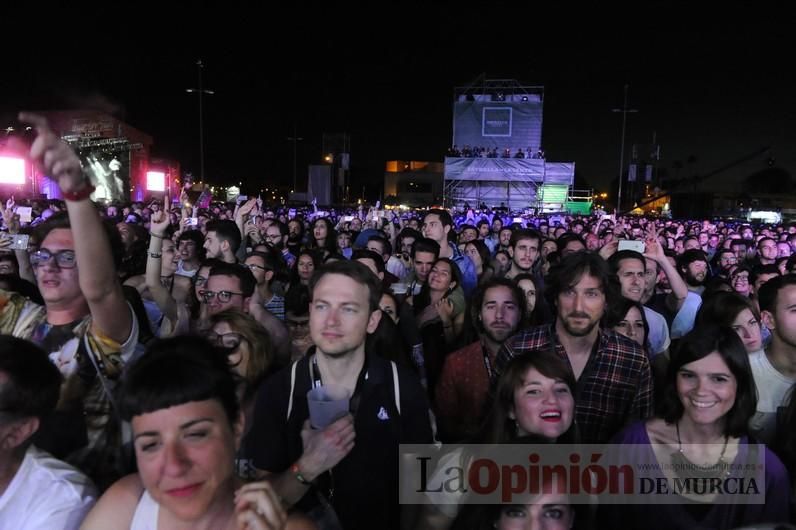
{"x":18,"y":241}
{"x":631,"y":244}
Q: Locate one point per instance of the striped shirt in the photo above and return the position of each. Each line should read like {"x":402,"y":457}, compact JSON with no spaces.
{"x":615,"y":388}
{"x":276,"y":306}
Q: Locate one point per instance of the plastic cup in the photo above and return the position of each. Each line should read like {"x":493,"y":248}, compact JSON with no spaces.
{"x":399,"y":288}
{"x":327,"y":403}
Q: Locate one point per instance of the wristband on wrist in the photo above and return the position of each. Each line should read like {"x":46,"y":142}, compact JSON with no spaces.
{"x":296,"y":471}
{"x":155,"y":255}
{"x":80,"y":194}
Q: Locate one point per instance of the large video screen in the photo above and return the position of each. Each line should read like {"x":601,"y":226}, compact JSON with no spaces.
{"x":498,"y":124}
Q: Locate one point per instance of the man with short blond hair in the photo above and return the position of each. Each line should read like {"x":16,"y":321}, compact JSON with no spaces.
{"x":299,"y":461}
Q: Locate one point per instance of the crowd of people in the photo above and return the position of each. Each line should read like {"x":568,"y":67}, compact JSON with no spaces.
{"x":478,"y":151}
{"x":157,"y":359}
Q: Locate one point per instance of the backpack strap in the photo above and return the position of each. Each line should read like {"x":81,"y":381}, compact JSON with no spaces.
{"x":292,"y":387}
{"x":396,"y":387}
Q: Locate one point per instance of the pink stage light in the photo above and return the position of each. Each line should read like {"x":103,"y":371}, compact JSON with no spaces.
{"x":12,"y":170}
{"x":155,"y":181}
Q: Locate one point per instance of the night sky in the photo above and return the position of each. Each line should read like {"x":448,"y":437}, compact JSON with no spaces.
{"x":711,"y":90}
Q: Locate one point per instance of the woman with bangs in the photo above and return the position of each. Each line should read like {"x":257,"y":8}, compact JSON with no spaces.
{"x":181,"y":400}
{"x":699,"y":440}
{"x":534,"y":404}
{"x":627,"y":318}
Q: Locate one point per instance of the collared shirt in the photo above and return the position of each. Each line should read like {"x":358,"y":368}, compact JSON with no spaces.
{"x":614,"y":389}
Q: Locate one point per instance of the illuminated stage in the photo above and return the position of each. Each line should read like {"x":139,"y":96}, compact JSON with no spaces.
{"x":115,"y":154}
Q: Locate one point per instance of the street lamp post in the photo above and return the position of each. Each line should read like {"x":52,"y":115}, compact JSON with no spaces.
{"x":201,"y":91}
{"x":295,"y":138}
{"x":624,"y":110}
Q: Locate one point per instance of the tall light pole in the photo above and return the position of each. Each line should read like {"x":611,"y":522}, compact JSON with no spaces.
{"x":295,"y":138}
{"x":201,"y":91}
{"x":624,"y":110}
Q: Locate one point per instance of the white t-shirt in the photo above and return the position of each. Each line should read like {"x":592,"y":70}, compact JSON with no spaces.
{"x":187,"y":273}
{"x":684,"y":319}
{"x":396,"y":267}
{"x":658,"y":338}
{"x":46,"y":494}
{"x":772,"y":390}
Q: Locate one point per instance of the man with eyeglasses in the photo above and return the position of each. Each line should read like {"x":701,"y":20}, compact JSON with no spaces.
{"x":740,"y":281}
{"x":263,"y":267}
{"x":228,"y":285}
{"x":231,"y":285}
{"x":276,"y":236}
{"x":86,"y":324}
{"x":725,"y":260}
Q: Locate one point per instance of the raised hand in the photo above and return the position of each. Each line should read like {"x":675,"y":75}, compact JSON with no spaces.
{"x":159,"y":221}
{"x":609,"y":249}
{"x":56,"y":158}
{"x":247,"y":207}
{"x":652,"y":248}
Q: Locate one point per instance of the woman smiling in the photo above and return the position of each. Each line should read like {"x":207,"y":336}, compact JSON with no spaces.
{"x":181,"y":400}
{"x":700,"y":439}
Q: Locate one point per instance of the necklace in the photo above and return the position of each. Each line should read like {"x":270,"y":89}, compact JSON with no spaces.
{"x":684,"y":468}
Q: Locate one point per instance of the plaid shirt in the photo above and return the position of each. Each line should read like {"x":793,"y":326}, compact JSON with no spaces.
{"x":615,"y":388}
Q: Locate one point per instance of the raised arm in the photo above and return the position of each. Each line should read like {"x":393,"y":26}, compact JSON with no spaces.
{"x":158,"y":225}
{"x":653,"y":250}
{"x":98,"y":280}
{"x":12,"y":223}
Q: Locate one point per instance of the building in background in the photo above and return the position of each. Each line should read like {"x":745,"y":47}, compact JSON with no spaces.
{"x":413,"y":183}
